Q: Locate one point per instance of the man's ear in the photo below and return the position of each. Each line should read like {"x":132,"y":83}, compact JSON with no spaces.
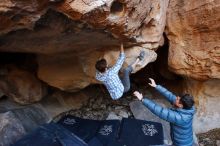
{"x":180,"y":105}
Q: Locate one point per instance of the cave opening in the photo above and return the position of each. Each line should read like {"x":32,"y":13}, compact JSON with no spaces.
{"x":159,"y":71}
{"x":13,"y":68}
{"x":25,"y":61}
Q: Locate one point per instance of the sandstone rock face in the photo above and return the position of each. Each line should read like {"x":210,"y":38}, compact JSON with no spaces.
{"x":72,"y":73}
{"x":20,"y":14}
{"x":22,"y":86}
{"x":194,"y":33}
{"x":31,"y":116}
{"x":131,"y":21}
{"x":70,"y":36}
{"x":207,"y":97}
{"x":61,"y":102}
{"x":64,"y":72}
{"x":194,"y":52}
{"x":142,"y":21}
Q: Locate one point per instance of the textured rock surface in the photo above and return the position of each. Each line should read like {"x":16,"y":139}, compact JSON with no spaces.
{"x":69,"y":36}
{"x":142,"y":21}
{"x":100,"y":106}
{"x":72,"y":35}
{"x":10,"y":129}
{"x":15,"y":14}
{"x":71,"y":73}
{"x":207,"y":99}
{"x":134,"y":21}
{"x":60,"y":102}
{"x":31,"y":116}
{"x":22,"y":86}
{"x":194,"y":32}
{"x":18,"y":121}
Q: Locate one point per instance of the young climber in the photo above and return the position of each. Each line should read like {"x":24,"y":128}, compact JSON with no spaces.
{"x":180,"y":117}
{"x":110,"y":78}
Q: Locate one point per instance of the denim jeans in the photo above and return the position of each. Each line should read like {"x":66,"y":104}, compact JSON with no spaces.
{"x":125,"y":79}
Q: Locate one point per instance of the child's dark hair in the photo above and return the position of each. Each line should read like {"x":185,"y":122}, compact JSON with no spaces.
{"x":101,"y":65}
{"x":187,"y":101}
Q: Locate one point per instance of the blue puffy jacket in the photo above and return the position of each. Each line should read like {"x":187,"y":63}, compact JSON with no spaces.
{"x":180,"y":119}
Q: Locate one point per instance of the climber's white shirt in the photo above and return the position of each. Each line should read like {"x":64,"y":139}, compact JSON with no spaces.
{"x":111,"y":79}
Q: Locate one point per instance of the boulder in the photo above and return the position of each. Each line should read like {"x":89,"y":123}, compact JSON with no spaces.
{"x":69,"y":37}
{"x":194,"y":52}
{"x":142,"y":21}
{"x":31,"y":116}
{"x":194,"y":34}
{"x":16,"y":15}
{"x":60,"y":102}
{"x":22,"y":86}
{"x":207,"y":97}
{"x":128,"y":20}
{"x":71,"y":73}
{"x":19,"y":120}
{"x":11,"y":129}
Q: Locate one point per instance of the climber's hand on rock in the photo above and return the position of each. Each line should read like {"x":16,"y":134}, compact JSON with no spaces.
{"x":152,"y":84}
{"x":122,"y":48}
